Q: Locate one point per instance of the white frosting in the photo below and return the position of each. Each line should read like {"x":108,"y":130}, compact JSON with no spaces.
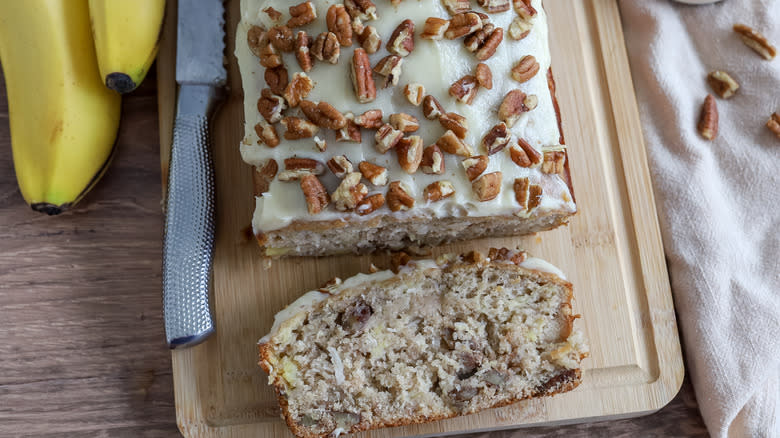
{"x":436,"y":65}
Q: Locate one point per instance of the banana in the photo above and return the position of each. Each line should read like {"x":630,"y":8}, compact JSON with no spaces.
{"x":126,"y":34}
{"x":63,"y":119}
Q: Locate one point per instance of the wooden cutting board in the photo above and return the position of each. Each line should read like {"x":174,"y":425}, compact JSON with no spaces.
{"x":611,"y":251}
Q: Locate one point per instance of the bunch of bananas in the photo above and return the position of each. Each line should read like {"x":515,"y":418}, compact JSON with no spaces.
{"x":65,"y":63}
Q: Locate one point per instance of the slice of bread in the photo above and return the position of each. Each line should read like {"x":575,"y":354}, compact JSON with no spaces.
{"x":438,"y":339}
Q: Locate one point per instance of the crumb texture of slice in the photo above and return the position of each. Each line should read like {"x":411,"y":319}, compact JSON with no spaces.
{"x":435,"y":341}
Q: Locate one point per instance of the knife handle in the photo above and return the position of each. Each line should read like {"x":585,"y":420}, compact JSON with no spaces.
{"x":190,"y":222}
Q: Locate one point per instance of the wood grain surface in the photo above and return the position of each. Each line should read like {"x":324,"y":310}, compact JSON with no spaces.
{"x":82,"y":349}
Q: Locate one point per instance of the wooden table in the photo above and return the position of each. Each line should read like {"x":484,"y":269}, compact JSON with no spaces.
{"x":82,"y":349}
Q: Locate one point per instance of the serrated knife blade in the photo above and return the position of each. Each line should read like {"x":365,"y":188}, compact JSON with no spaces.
{"x":188,"y":247}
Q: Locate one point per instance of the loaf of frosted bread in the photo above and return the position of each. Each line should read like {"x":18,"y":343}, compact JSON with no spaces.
{"x":440,"y":338}
{"x":390,"y":124}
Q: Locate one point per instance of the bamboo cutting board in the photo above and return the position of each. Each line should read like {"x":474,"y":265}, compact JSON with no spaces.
{"x":611,"y":251}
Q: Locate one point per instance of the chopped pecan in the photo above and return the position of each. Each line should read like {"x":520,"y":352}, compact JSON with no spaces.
{"x":722,"y":84}
{"x":525,"y":69}
{"x":524,"y":155}
{"x":273,"y":14}
{"x":262,"y":176}
{"x":528,"y":195}
{"x":375,"y":174}
{"x":415,"y":93}
{"x":484,"y":76}
{"x":434,"y":28}
{"x":267,"y":134}
{"x":323,"y":114}
{"x":350,"y":192}
{"x":520,"y":28}
{"x":277,"y":79}
{"x":350,"y":132}
{"x":438,"y":190}
{"x":475,"y":166}
{"x":254,"y":38}
{"x":361,"y":9}
{"x":410,"y":151}
{"x":369,"y":39}
{"x":432,"y":161}
{"x":450,"y":143}
{"x":487,"y":187}
{"x":295,"y":168}
{"x":397,"y":260}
{"x":282,"y":38}
{"x":370,"y":204}
{"x":465,"y":89}
{"x":774,"y":124}
{"x":505,"y":255}
{"x":387,"y":138}
{"x":756,"y":41}
{"x":371,"y":119}
{"x":463,"y":24}
{"x":298,"y":128}
{"x":398,"y":197}
{"x":496,"y":139}
{"x":554,"y":161}
{"x":708,"y":121}
{"x":524,"y":9}
{"x":404,"y":122}
{"x":390,"y":68}
{"x":340,"y":24}
{"x":401,"y":42}
{"x":362,"y":80}
{"x":340,"y":166}
{"x":316,"y":196}
{"x":320,"y":144}
{"x":513,"y":106}
{"x":494,"y":6}
{"x":455,"y":123}
{"x":271,"y":106}
{"x":302,"y":14}
{"x":299,"y":87}
{"x":432,"y":109}
{"x":326,"y":47}
{"x":303,"y":45}
{"x":456,"y":6}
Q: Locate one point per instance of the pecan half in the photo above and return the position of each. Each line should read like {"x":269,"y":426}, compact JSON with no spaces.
{"x":340,"y":166}
{"x":494,"y":6}
{"x":398,"y":198}
{"x":267,"y":134}
{"x":295,"y":168}
{"x":271,"y":106}
{"x":465,"y":89}
{"x":456,"y":123}
{"x":303,"y":43}
{"x":722,"y":84}
{"x":404,"y":122}
{"x":708,"y":120}
{"x":340,"y":24}
{"x":370,"y":204}
{"x":487,"y":187}
{"x":485,"y":41}
{"x":262,"y":176}
{"x":756,"y":41}
{"x":432,"y":162}
{"x":484,"y":76}
{"x":401,"y":42}
{"x":524,"y":9}
{"x":450,"y":143}
{"x":362,"y":79}
{"x":554,"y":162}
{"x":496,"y":139}
{"x":475,"y":166}
{"x":361,"y":9}
{"x":369,"y":39}
{"x":514,"y":105}
{"x":277,"y":79}
{"x":525,"y":69}
{"x":387,"y":138}
{"x":456,"y":6}
{"x":463,"y":24}
{"x":323,"y":114}
{"x":299,"y":87}
{"x":351,"y":132}
{"x":261,"y":46}
{"x":434,"y":28}
{"x":374,"y":173}
{"x":273,"y":14}
{"x":520,"y":28}
{"x":371,"y":119}
{"x":390,"y":67}
{"x":350,"y":192}
{"x":326,"y":47}
{"x":774,"y":124}
{"x":432,"y":109}
{"x":438,"y":190}
{"x":410,"y":151}
{"x":524,"y":155}
{"x":282,"y":38}
{"x":302,"y":14}
{"x":298,"y":128}
{"x":316,"y":196}
{"x":415,"y":93}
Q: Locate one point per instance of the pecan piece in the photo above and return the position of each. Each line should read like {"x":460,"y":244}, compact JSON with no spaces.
{"x":520,"y":28}
{"x":323,"y":114}
{"x":371,"y":119}
{"x":340,"y":24}
{"x":528,"y":195}
{"x":375,"y":174}
{"x":295,"y":168}
{"x":475,"y":166}
{"x":362,"y":80}
{"x":496,"y":139}
{"x":398,"y":198}
{"x":369,"y":39}
{"x":487,"y":187}
{"x":370,"y":204}
{"x":401,"y":42}
{"x":390,"y":68}
{"x":350,"y":132}
{"x":387,"y":138}
{"x":432,"y":162}
{"x":361,"y":9}
{"x":254,"y":37}
{"x":524,"y":155}
{"x":404,"y":122}
{"x":494,"y":6}
{"x":465,"y":89}
{"x":410,"y":151}
{"x":302,"y":14}
{"x":708,"y":121}
{"x":281,"y":38}
{"x":326,"y":47}
{"x":350,"y":192}
{"x":514,"y":105}
{"x":320,"y":144}
{"x":432,"y":109}
{"x":263,"y":49}
{"x":484,"y":76}
{"x":298,"y":128}
{"x":524,"y":9}
{"x":456,"y":123}
{"x":456,"y":6}
{"x":299,"y":87}
{"x":303,"y":45}
{"x":463,"y":24}
{"x":277,"y":79}
{"x":554,"y":161}
{"x":434,"y":28}
{"x":774,"y":124}
{"x":450,"y":143}
{"x":273,"y":14}
{"x":756,"y":41}
{"x":438,"y":190}
{"x":415,"y":93}
{"x":271,"y":106}
{"x":722,"y":84}
{"x":267,"y":135}
{"x":340,"y":166}
{"x":316,"y":196}
{"x":525,"y":69}
{"x":262,"y":176}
